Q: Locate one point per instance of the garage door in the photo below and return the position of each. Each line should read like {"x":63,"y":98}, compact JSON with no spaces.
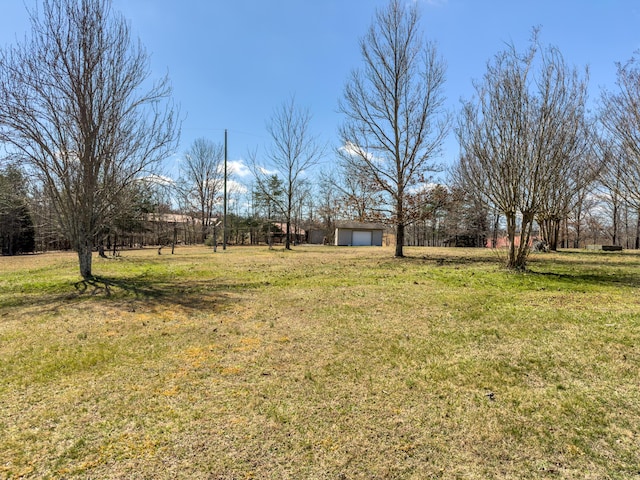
{"x":361,"y":239}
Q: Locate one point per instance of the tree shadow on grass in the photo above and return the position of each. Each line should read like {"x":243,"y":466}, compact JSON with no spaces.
{"x":593,"y":279}
{"x":591,"y":268}
{"x":192,"y":295}
{"x":587,"y":257}
{"x":99,"y":285}
{"x":455,"y":259}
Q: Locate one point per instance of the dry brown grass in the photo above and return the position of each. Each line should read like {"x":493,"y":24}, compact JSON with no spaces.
{"x":320,"y":363}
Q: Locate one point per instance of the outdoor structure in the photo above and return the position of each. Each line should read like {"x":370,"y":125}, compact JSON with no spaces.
{"x":296,"y":235}
{"x":605,"y":248}
{"x":319,"y":236}
{"x":466,"y":240}
{"x":356,"y":234}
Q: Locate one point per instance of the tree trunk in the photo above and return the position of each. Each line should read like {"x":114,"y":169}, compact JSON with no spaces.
{"x":556,"y":235}
{"x":517,"y":258}
{"x":544,"y":229}
{"x":287,"y":241}
{"x":511,"y":236}
{"x":578,"y":223}
{"x":638,"y":231}
{"x":399,"y":240}
{"x":85,"y":252}
{"x":175,"y":238}
{"x":400,"y":227}
{"x":615,"y":225}
{"x":525,"y":235}
{"x":494,"y":234}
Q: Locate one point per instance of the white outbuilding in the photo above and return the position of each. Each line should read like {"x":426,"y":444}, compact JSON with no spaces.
{"x":355,"y":234}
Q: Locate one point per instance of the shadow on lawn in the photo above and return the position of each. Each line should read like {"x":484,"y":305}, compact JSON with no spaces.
{"x":200,"y":295}
{"x":139,"y":287}
{"x":454,"y":260}
{"x":592,"y":268}
{"x":190,"y":294}
{"x":608,"y":279}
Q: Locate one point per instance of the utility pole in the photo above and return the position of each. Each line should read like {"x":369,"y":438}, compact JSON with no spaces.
{"x":224,"y":218}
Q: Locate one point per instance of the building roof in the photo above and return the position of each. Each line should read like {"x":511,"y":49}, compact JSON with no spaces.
{"x":283,"y":227}
{"x":178,"y":218}
{"x":360,"y":225}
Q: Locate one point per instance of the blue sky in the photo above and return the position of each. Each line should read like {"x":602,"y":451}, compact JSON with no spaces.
{"x":232,"y":63}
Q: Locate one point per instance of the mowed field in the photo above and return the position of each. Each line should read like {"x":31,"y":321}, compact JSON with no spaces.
{"x":320,"y":363}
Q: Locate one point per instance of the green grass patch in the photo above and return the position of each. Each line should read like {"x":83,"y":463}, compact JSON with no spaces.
{"x":323,"y":362}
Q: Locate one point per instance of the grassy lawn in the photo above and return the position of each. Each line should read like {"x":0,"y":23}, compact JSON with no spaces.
{"x":323,"y":362}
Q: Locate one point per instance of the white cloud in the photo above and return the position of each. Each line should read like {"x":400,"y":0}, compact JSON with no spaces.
{"x":425,"y":187}
{"x":237,"y":187}
{"x":237,"y":167}
{"x":265,"y":171}
{"x":350,"y":149}
{"x":157,"y":180}
{"x":354,"y":150}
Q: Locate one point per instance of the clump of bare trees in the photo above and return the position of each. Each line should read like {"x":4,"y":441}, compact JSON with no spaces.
{"x":620,"y":117}
{"x":524,"y":140}
{"x":75,"y":110}
{"x":80,"y":116}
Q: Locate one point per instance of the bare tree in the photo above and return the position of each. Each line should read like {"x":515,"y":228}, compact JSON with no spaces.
{"x":202,"y":178}
{"x":293,"y":151}
{"x":613,"y":183}
{"x":620,"y":116}
{"x":560,"y":193}
{"x":395,"y":123}
{"x":585,"y":202}
{"x":524,"y":132}
{"x":73,"y":107}
{"x":357,"y":196}
{"x":268,"y":197}
{"x":328,"y":208}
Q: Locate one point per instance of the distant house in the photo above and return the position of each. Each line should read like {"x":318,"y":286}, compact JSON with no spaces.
{"x":296,"y":234}
{"x":355,"y":234}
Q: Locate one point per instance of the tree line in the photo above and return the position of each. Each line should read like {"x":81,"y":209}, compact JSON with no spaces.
{"x":85,"y":130}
